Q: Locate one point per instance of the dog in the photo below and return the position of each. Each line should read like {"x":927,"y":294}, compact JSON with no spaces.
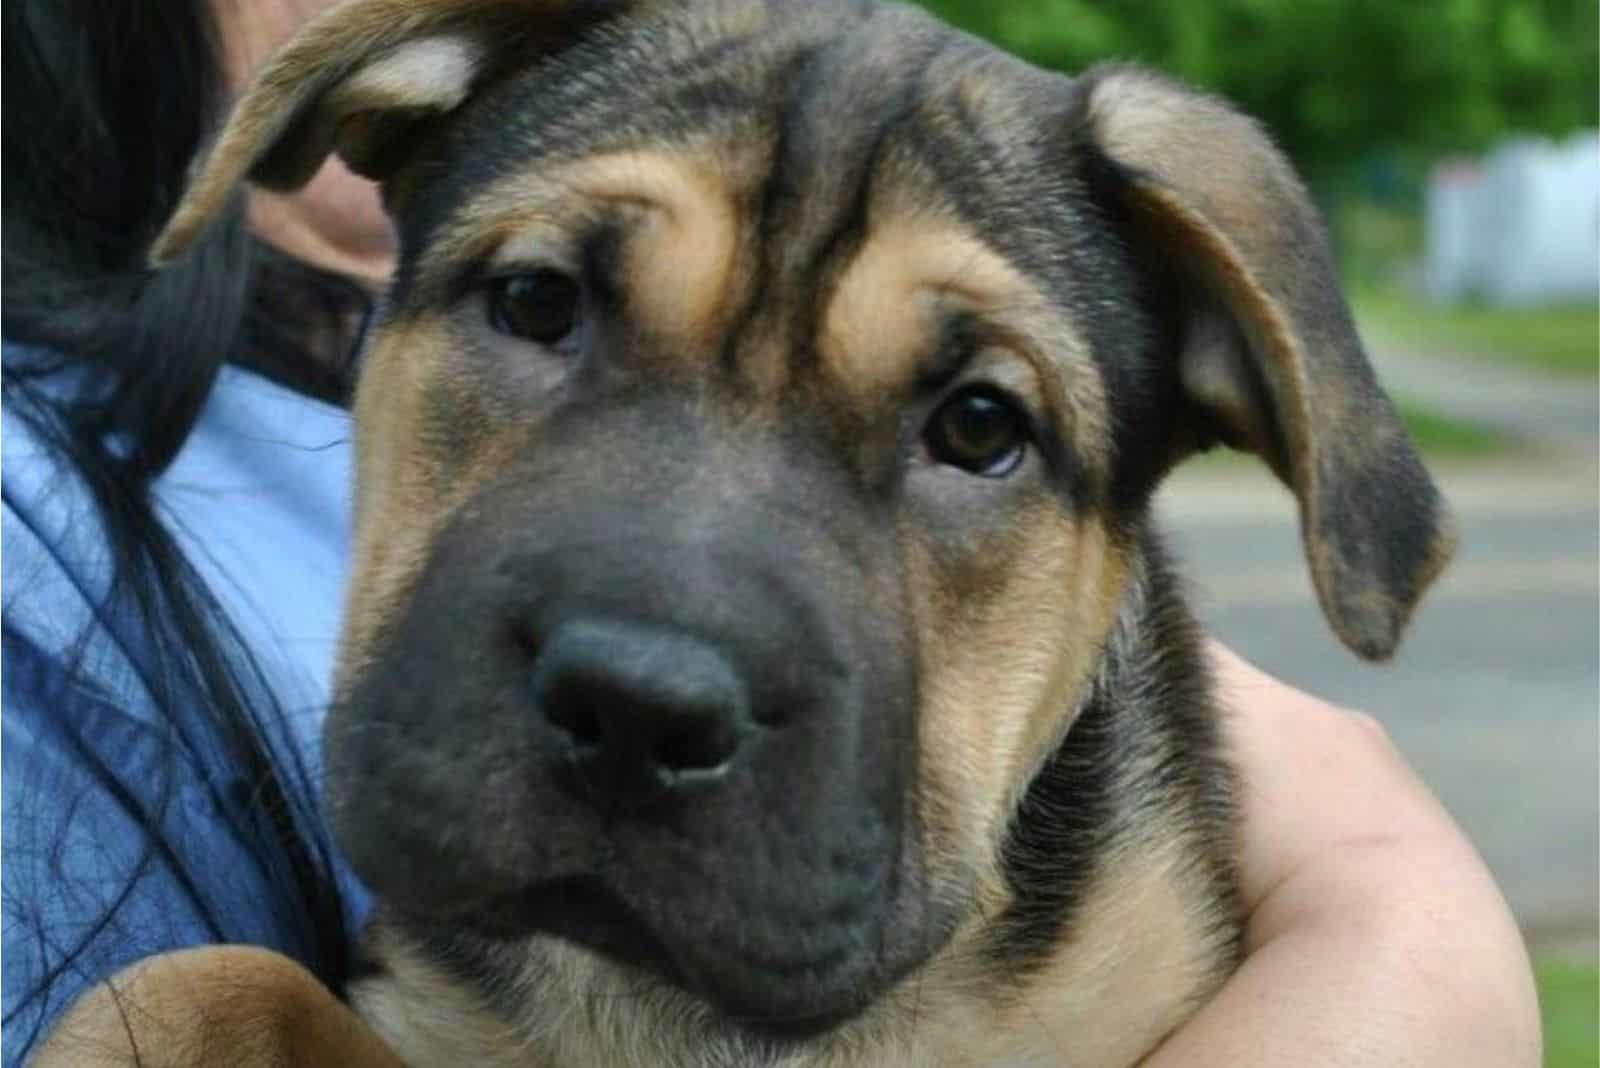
{"x":759,"y":648}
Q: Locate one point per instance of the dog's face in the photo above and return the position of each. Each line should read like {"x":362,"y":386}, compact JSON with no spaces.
{"x":751,"y":448}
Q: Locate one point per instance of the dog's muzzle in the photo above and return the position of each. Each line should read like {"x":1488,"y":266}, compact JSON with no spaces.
{"x":673,"y":724}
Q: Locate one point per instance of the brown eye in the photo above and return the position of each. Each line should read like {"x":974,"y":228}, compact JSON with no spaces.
{"x":539,"y":306}
{"x":979,"y":431}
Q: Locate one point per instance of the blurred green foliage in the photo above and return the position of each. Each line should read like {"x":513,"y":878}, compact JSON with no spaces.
{"x":1569,"y":1001}
{"x":1558,"y":339}
{"x":1335,"y":80}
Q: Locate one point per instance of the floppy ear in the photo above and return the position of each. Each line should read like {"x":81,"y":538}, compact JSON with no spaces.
{"x":361,"y":80}
{"x":1270,"y":360}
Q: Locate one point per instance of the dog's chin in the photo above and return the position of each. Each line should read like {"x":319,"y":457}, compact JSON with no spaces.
{"x":785,"y":1000}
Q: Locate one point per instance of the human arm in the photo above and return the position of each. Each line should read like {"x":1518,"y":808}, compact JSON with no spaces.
{"x":1376,"y":936}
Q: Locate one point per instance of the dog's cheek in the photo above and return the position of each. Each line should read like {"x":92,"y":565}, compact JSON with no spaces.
{"x":1009,"y":627}
{"x":421,"y":453}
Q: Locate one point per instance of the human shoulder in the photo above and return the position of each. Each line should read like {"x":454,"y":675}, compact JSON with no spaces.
{"x":131,"y":824}
{"x":56,"y":564}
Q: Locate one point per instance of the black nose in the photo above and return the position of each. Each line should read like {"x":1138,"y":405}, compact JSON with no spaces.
{"x":643,"y":709}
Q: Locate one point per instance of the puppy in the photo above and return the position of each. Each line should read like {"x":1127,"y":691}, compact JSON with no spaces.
{"x":759,"y":650}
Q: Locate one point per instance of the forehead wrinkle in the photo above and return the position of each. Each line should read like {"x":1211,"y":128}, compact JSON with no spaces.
{"x":516,"y":206}
{"x":681,"y":257}
{"x":879,"y":323}
{"x":840,"y":101}
{"x":903,"y":273}
{"x":692,"y":190}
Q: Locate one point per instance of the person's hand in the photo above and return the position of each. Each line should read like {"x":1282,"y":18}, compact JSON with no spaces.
{"x":1376,"y":936}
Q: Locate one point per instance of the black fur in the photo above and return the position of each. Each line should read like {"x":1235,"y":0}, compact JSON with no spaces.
{"x":798,"y":541}
{"x":1028,"y":190}
{"x":1150,"y":701}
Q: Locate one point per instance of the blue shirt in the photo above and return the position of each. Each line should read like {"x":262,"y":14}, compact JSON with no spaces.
{"x":259,"y":501}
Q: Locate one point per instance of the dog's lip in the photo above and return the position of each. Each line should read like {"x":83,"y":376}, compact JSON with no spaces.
{"x":583,"y":909}
{"x":580,"y":907}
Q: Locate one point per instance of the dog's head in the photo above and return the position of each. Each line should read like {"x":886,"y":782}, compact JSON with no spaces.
{"x":751,"y":451}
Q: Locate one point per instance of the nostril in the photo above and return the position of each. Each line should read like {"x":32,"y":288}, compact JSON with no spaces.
{"x":524,"y":639}
{"x":696,"y":746}
{"x":639,"y":709}
{"x":580,"y":719}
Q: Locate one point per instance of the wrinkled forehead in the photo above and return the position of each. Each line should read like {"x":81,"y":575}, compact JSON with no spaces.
{"x":802,"y":185}
{"x":795,"y":107}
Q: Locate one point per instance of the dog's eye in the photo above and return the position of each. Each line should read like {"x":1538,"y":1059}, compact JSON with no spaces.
{"x":978,"y":430}
{"x":539,"y":306}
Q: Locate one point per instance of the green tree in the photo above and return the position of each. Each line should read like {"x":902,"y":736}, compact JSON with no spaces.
{"x":1335,"y":80}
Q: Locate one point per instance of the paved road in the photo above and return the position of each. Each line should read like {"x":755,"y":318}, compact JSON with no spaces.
{"x":1495,"y":696}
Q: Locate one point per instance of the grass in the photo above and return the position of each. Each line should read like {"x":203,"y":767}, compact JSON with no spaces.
{"x":1438,"y":436}
{"x":1562,"y":340}
{"x":1569,"y":1000}
{"x":1449,"y":438}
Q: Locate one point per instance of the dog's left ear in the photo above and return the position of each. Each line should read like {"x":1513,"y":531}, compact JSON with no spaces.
{"x":362,"y":80}
{"x":1270,"y":360}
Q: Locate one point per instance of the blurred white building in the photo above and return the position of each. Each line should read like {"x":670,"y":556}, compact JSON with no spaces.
{"x":1521,"y":226}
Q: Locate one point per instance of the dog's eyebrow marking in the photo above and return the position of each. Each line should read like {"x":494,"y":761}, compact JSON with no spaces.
{"x":883,"y":319}
{"x":678,"y":260}
{"x":680,"y":234}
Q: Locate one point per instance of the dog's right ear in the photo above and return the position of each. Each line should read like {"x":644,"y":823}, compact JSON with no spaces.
{"x":360,"y":80}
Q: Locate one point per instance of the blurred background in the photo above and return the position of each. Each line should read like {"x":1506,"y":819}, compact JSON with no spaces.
{"x":1453,"y":146}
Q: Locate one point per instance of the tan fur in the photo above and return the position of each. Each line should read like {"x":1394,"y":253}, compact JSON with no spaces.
{"x":1211,"y":209}
{"x":1241,"y":224}
{"x":1004,"y":652}
{"x":1133,"y":972}
{"x":398,"y":491}
{"x":876,"y":330}
{"x":1133,"y":965}
{"x":681,"y":256}
{"x":430,"y":75}
{"x":330,"y":46}
{"x":1006,"y":648}
{"x":681,"y":230}
{"x":238,"y":1005}
{"x":1011,"y":619}
{"x":407,"y":488}
{"x":434,"y":1019}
